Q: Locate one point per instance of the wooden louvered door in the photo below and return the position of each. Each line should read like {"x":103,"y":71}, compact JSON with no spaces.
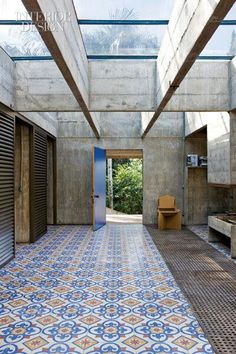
{"x":38,"y":184}
{"x":7,"y":213}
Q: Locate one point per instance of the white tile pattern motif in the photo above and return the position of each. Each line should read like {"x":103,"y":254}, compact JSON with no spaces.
{"x":75,"y":291}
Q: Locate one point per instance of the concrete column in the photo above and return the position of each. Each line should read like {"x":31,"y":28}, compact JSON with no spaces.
{"x":22,"y":180}
{"x":233,"y":242}
{"x":232,"y":85}
{"x":7,"y":80}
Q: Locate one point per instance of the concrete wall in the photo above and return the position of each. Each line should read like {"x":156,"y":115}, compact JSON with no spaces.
{"x":8,"y":97}
{"x":121,"y":86}
{"x":195,"y":121}
{"x":163,"y":160}
{"x":233,"y":146}
{"x":219,"y":163}
{"x":221,"y":199}
{"x":218,"y":143}
{"x":128,"y":86}
{"x":206,"y":85}
{"x":189,"y":29}
{"x":46,"y":121}
{"x":211,"y":191}
{"x":196,"y":186}
{"x":196,"y":202}
{"x":232,"y":83}
{"x":40,"y":85}
{"x":7,"y":79}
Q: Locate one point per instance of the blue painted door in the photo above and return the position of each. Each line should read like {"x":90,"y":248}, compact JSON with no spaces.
{"x":99,"y":188}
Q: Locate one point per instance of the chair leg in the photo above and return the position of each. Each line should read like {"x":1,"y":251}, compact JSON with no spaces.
{"x":161,"y":221}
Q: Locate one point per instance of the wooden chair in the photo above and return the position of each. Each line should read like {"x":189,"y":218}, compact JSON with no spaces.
{"x":169,"y":217}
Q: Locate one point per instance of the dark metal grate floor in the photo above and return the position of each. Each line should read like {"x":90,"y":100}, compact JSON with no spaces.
{"x":207,"y":279}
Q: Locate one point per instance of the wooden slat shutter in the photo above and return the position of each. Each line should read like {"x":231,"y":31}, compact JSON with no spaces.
{"x":7,"y":209}
{"x":38,"y":184}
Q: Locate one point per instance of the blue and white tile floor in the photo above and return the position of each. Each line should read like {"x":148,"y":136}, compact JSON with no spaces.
{"x":76,"y":291}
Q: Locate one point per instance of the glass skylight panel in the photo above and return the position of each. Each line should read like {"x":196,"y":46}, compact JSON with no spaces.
{"x":232,"y":13}
{"x":122,"y":39}
{"x":11,"y":9}
{"x":19,"y":41}
{"x":114,"y":9}
{"x":223,"y":42}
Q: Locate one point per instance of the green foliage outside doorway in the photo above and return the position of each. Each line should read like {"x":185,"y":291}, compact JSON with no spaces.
{"x":127,"y":186}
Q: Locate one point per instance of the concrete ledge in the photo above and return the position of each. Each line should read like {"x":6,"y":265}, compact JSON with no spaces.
{"x":217,"y":224}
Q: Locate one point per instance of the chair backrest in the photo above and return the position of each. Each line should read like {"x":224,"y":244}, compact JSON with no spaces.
{"x":166,"y":202}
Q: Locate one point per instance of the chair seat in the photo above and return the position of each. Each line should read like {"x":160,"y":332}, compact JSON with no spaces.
{"x":169,"y":212}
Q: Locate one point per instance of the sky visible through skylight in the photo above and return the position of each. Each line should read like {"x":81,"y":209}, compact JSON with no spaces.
{"x":144,"y":10}
{"x":143,"y":39}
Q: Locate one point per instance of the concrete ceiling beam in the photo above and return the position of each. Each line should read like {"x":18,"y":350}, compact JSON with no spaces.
{"x":191,"y":25}
{"x":121,"y":87}
{"x":63,"y":38}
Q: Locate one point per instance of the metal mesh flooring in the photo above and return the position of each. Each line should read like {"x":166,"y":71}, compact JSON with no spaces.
{"x":207,"y":279}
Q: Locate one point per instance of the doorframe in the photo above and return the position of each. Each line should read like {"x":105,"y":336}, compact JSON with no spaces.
{"x":32,"y":126}
{"x":124,"y":153}
{"x":129,"y":154}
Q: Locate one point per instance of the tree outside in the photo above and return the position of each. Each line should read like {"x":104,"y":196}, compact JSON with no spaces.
{"x":127,"y":186}
{"x":119,"y":39}
{"x":232,"y":50}
{"x":110,"y":39}
{"x":24,"y":43}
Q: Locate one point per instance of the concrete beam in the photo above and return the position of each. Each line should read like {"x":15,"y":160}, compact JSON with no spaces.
{"x":123,"y":86}
{"x":45,"y":120}
{"x":7,"y":80}
{"x":233,"y":84}
{"x":204,"y":88}
{"x":64,"y":41}
{"x":127,"y":86}
{"x":40,"y":87}
{"x":191,"y":26}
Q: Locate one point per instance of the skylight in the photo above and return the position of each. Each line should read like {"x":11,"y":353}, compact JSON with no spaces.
{"x":9,"y":9}
{"x":106,"y":39}
{"x":222,"y":43}
{"x":21,"y":41}
{"x":112,"y":9}
{"x":123,"y":39}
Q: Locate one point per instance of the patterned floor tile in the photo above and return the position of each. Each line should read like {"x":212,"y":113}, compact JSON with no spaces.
{"x":6,"y":320}
{"x":76,"y":291}
{"x":85,"y":342}
{"x":135,"y":342}
{"x":35,"y":343}
{"x":132,"y":319}
{"x":185,"y":343}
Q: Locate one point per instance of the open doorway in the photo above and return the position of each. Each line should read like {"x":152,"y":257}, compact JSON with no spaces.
{"x":124,"y":186}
